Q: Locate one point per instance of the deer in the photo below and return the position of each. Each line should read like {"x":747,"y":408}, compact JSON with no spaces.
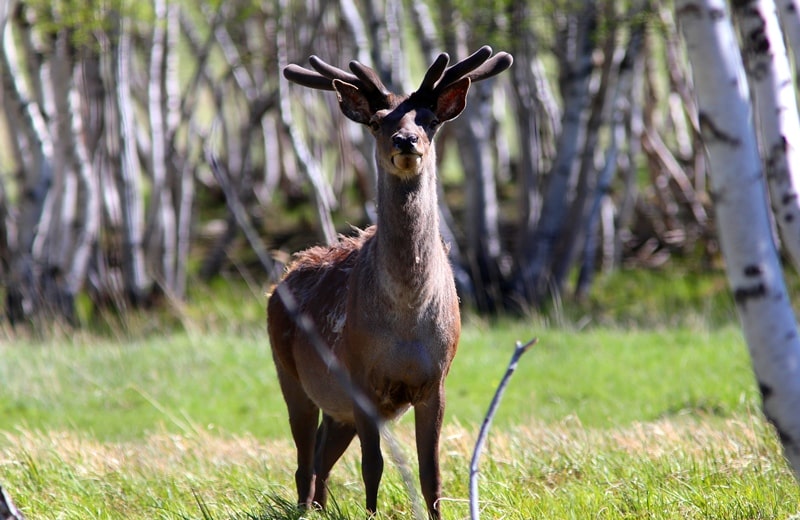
{"x":383,"y":302}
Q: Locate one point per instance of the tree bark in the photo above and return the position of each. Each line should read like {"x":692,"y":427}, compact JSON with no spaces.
{"x":36,"y":154}
{"x":789,"y":14}
{"x":778,"y":124}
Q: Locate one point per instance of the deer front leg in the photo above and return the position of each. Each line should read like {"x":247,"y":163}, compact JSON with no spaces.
{"x":371,"y":457}
{"x":428,"y":416}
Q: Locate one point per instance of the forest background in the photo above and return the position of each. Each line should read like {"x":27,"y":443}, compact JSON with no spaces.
{"x":584,"y":159}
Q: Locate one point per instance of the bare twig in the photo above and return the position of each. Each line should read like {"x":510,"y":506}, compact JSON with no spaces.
{"x":8,"y":511}
{"x":236,"y":207}
{"x":487,"y":421}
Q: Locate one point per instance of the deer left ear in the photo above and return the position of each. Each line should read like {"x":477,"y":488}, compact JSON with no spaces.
{"x":352,"y":101}
{"x":452,"y":100}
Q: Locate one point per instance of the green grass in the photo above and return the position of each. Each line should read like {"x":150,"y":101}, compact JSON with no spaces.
{"x":600,"y":422}
{"x":225,"y":380}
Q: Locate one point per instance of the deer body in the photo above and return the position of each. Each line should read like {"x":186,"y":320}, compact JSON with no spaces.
{"x":384,"y":301}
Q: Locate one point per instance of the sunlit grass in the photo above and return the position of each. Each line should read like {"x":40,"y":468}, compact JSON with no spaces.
{"x":606,"y":417}
{"x":688,"y":467}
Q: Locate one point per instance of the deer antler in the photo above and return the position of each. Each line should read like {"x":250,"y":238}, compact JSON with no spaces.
{"x":478,"y":66}
{"x":363,"y":77}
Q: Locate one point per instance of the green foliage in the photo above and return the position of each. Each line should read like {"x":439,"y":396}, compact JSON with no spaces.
{"x":81,"y":19}
{"x":681,"y":294}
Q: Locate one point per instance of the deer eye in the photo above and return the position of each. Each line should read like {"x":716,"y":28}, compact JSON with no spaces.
{"x":434,"y":123}
{"x":375,"y":125}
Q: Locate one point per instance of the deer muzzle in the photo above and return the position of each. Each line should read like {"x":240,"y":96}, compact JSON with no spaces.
{"x":406,"y":154}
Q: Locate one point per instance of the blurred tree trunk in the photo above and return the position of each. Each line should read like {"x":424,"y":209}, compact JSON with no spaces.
{"x":789,"y":15}
{"x":481,"y":224}
{"x":34,"y":151}
{"x":574,"y":232}
{"x":534,"y":277}
{"x":620,"y":103}
{"x":322,"y":194}
{"x":751,"y":259}
{"x":126,"y":169}
{"x":537,"y":124}
{"x":160,"y":239}
{"x":474,"y":135}
{"x":87,"y":98}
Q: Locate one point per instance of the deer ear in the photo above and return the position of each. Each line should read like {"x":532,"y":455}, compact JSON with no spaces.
{"x":352,"y":101}
{"x":452,"y":100}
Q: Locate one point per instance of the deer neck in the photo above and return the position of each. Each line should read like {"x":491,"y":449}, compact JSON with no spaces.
{"x":409,"y":246}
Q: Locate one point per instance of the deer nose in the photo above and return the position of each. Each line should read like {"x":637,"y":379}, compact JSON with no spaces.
{"x":405,"y":142}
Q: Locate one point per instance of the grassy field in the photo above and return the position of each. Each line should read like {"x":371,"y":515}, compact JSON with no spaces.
{"x":600,"y":421}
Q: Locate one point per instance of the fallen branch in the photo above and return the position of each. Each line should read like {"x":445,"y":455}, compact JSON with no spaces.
{"x":487,"y":421}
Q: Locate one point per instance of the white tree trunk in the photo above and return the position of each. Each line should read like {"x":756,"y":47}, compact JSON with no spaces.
{"x":88,"y":217}
{"x":789,"y":13}
{"x":778,"y":123}
{"x":162,"y":248}
{"x":128,"y":175}
{"x":751,"y":259}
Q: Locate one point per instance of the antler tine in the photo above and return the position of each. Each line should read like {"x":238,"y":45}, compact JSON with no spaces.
{"x":322,"y":79}
{"x":434,"y":73}
{"x":476,"y":67}
{"x":307,"y":78}
{"x":331,"y":72}
{"x":465,"y":66}
{"x":369,"y":78}
{"x":493,"y":66}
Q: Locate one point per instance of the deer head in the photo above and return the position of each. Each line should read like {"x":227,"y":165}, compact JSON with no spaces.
{"x":403,"y":126}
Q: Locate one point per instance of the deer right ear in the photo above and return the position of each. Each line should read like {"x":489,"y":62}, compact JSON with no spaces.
{"x":352,"y":101}
{"x":452,"y":100}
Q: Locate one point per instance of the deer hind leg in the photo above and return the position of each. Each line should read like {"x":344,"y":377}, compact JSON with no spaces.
{"x":303,"y":420}
{"x":333,"y":438}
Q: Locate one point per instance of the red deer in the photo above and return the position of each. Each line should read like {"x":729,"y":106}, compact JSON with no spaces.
{"x":384,"y":302}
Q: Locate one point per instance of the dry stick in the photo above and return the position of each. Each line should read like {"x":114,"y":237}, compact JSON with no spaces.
{"x":306,"y":324}
{"x":487,"y":421}
{"x":8,"y":511}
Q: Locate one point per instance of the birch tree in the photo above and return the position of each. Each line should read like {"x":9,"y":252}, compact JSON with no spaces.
{"x":737,"y":183}
{"x":767,"y":65}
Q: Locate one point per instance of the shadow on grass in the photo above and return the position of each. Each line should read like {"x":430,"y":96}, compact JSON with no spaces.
{"x":274,"y":507}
